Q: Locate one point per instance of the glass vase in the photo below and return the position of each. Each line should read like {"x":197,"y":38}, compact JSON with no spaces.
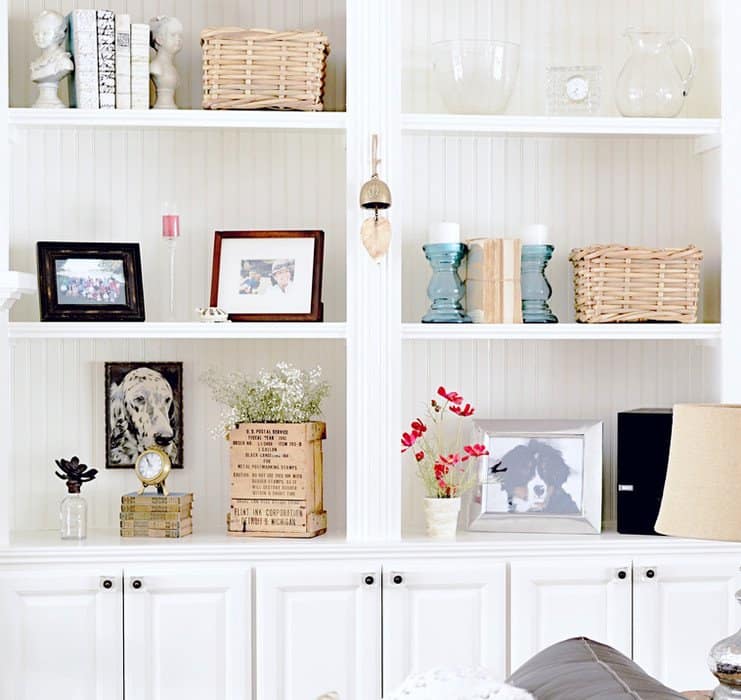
{"x":73,"y":517}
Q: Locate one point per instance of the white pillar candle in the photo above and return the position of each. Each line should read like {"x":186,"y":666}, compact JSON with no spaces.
{"x":445,"y":232}
{"x":535,"y":234}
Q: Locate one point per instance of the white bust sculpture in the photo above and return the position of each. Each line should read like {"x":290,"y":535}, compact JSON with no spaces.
{"x":55,"y":63}
{"x":167,"y":40}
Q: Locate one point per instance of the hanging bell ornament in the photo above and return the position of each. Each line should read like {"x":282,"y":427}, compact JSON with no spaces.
{"x":376,"y":195}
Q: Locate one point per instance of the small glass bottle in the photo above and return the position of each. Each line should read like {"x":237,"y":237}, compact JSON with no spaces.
{"x":73,"y":515}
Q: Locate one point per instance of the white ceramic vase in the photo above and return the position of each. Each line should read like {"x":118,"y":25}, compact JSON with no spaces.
{"x":441,"y":516}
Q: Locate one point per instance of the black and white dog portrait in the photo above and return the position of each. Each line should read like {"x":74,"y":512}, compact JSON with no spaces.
{"x":537,"y":475}
{"x":144,"y":408}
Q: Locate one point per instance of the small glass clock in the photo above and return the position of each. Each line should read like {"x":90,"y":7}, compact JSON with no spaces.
{"x":573,"y":90}
{"x":152,"y":467}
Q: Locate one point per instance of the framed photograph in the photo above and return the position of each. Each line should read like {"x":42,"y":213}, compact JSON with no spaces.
{"x":90,"y":281}
{"x":539,"y":476}
{"x":143,"y":409}
{"x":268,"y":275}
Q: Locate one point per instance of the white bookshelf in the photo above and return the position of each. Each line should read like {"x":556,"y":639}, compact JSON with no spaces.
{"x":546,"y":125}
{"x":180,"y":119}
{"x":174,"y":331}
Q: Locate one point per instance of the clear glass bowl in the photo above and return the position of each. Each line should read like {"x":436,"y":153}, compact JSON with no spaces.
{"x":475,"y":77}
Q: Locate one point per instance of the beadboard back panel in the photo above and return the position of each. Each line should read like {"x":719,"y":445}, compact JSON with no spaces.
{"x":58,"y":391}
{"x":559,"y":33}
{"x":556,"y":380}
{"x":325,"y":15}
{"x":640,"y":191}
{"x":109,"y":185}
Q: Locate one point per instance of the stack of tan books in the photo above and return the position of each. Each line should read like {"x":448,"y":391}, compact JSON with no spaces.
{"x":153,"y":515}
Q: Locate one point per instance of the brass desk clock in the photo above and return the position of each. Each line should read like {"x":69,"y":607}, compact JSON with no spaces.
{"x":152,"y":467}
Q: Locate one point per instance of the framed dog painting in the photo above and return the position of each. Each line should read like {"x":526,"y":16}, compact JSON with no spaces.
{"x":143,"y":409}
{"x":539,"y":476}
{"x":90,"y":281}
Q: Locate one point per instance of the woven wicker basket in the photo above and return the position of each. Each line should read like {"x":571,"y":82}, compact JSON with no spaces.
{"x":615,"y":283}
{"x":263,"y":69}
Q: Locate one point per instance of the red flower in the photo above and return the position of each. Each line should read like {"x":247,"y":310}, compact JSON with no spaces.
{"x":450,"y":460}
{"x":476,"y":450}
{"x":408,"y":439}
{"x":440,"y":470}
{"x":419,"y":456}
{"x":464,"y":412}
{"x":418,"y":426}
{"x":452,"y":396}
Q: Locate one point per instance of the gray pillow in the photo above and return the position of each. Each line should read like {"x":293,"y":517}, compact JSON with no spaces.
{"x":580,"y":669}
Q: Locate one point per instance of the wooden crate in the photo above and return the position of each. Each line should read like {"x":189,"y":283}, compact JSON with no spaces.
{"x":277,"y":480}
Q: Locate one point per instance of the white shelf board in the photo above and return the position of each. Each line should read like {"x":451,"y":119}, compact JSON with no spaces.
{"x":606,"y":126}
{"x":45,"y":546}
{"x":193,"y":331}
{"x":181,"y":118}
{"x":561,"y":331}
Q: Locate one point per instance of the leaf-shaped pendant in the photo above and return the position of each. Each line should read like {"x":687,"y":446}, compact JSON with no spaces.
{"x":376,"y":235}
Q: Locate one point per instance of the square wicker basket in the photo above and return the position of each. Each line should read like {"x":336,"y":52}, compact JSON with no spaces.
{"x":263,"y":69}
{"x":620,"y":284}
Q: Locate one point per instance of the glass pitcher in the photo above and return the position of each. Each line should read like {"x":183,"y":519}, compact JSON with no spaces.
{"x":651,"y":84}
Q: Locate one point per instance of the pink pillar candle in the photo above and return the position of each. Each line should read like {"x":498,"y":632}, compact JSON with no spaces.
{"x":170,"y":226}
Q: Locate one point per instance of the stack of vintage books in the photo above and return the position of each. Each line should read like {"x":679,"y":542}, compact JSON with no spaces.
{"x":155,"y":515}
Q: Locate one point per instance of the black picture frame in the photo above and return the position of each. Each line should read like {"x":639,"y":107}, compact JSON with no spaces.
{"x":124,"y":437}
{"x":129,"y":308}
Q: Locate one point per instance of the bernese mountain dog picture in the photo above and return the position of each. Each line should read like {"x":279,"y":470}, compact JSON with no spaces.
{"x":539,"y":476}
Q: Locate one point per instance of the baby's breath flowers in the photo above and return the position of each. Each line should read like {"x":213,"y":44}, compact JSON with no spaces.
{"x":286,"y":394}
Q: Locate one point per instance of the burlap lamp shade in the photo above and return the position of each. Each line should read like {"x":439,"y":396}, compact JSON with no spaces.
{"x":702,"y":493}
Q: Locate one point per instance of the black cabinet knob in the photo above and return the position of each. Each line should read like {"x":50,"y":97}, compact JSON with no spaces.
{"x":398,"y":578}
{"x":622,"y":575}
{"x":136,"y":584}
{"x":369,"y":580}
{"x":108,"y":584}
{"x":650,"y":573}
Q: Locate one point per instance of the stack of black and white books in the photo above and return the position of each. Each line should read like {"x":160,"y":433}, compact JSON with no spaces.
{"x":111,"y":57}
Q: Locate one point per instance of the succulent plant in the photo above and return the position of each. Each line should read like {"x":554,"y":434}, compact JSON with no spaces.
{"x":74,"y":473}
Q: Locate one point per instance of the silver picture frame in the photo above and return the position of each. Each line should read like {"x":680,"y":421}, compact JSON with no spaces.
{"x":540,"y":476}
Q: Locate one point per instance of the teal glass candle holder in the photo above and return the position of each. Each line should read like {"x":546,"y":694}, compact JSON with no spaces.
{"x":535,"y":288}
{"x":445,"y":289}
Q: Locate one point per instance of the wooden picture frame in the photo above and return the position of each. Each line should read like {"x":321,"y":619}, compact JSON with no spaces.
{"x":90,"y":281}
{"x":143,"y":409}
{"x":268,"y":275}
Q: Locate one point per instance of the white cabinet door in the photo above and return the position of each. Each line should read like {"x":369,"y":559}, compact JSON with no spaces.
{"x":451,"y":613}
{"x":556,"y":599}
{"x":318,"y":630}
{"x":60,"y":636}
{"x":187,"y":634}
{"x":682,"y":606}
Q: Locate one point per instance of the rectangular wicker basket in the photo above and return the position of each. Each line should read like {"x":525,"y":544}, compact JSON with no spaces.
{"x":263,"y":69}
{"x":621,"y":284}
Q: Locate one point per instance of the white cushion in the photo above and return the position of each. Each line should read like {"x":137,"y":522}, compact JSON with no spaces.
{"x":456,"y":684}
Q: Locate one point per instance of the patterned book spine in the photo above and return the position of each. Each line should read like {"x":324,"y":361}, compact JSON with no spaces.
{"x":139,"y":66}
{"x":123,"y":61}
{"x":106,"y":59}
{"x":83,"y":45}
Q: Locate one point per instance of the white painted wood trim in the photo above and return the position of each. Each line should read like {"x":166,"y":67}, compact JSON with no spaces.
{"x":13,"y":285}
{"x":730,"y":372}
{"x":194,"y":330}
{"x":607,"y":126}
{"x":177,"y":119}
{"x":562,"y":331}
{"x":374,"y":289}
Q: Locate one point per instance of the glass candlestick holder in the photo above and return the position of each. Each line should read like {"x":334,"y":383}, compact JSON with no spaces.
{"x":170,"y":234}
{"x":725,"y":664}
{"x":535,"y":288}
{"x":445,"y":289}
